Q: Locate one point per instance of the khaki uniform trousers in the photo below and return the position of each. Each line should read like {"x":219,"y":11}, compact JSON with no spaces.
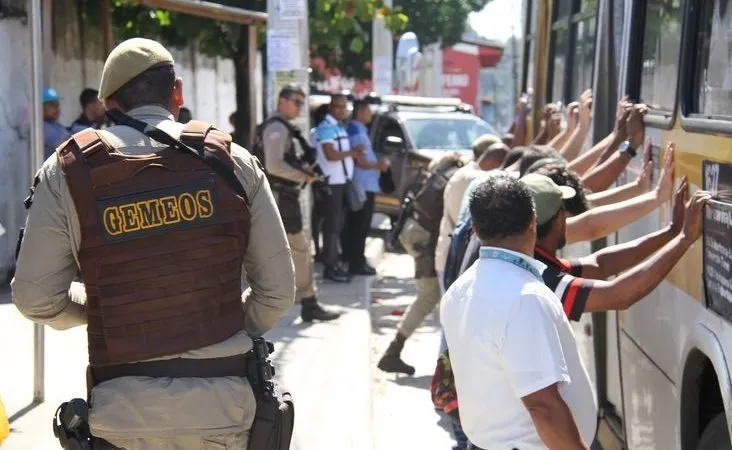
{"x":428,"y":297}
{"x":303,"y":261}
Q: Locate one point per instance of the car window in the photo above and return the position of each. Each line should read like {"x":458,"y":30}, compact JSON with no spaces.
{"x":446,"y":134}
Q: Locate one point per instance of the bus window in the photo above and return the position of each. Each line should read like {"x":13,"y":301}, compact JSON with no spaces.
{"x":618,"y":23}
{"x":589,"y":6}
{"x":532,"y":10}
{"x":714,"y":61}
{"x":529,"y":81}
{"x":584,"y":56}
{"x":562,"y":9}
{"x":661,"y":47}
{"x":559,"y":45}
{"x":573,"y":49}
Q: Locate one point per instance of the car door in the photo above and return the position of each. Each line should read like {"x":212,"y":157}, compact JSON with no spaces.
{"x":384,"y":127}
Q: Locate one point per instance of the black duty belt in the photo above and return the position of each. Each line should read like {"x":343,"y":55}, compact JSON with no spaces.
{"x":230,"y":366}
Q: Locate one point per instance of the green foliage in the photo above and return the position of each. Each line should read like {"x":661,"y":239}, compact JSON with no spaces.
{"x":340,"y":30}
{"x":439,"y":20}
{"x":331,"y":23}
{"x":432,"y":20}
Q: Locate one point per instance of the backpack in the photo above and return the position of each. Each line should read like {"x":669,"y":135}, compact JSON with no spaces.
{"x":460,"y":239}
{"x":428,"y":202}
{"x":464,"y":251}
{"x":257,"y":147}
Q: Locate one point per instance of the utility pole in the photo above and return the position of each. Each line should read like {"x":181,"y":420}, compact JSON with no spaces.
{"x":288,"y":61}
{"x":382,"y":65}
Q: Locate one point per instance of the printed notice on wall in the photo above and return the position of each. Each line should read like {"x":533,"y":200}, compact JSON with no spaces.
{"x":292,"y":9}
{"x":718,"y":238}
{"x":282,"y":52}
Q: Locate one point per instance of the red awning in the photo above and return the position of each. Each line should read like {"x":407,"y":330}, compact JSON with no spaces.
{"x":489,"y":56}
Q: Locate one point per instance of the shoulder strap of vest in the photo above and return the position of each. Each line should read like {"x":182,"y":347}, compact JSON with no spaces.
{"x":200,"y":150}
{"x":294,"y":131}
{"x":210,"y":147}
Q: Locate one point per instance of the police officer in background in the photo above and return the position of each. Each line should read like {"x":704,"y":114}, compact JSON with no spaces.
{"x":160,"y":240}
{"x":288,"y":173}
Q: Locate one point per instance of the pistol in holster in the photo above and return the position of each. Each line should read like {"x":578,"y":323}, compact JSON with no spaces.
{"x":71,"y":425}
{"x":274,"y":418}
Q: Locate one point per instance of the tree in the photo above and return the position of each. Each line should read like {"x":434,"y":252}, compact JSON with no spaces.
{"x":331,"y":23}
{"x":431,"y":20}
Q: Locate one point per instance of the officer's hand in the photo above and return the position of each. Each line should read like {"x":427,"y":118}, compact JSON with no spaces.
{"x":382,"y":165}
{"x":694,"y":214}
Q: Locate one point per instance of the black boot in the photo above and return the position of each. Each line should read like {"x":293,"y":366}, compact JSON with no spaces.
{"x":335,"y":273}
{"x":392,"y":361}
{"x":311,"y":310}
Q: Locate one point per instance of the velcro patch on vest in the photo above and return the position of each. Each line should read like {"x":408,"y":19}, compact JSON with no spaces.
{"x":157,"y":212}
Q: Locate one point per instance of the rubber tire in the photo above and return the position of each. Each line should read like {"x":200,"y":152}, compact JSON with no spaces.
{"x":715,"y":435}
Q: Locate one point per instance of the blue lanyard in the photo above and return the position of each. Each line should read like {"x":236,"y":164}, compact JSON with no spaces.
{"x":494,"y":253}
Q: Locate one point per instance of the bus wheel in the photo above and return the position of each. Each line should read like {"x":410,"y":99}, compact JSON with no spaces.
{"x":716,"y":435}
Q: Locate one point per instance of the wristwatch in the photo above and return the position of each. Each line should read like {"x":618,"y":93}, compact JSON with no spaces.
{"x":625,"y":147}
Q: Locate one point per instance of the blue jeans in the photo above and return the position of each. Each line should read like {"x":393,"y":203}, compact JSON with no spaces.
{"x":461,"y":439}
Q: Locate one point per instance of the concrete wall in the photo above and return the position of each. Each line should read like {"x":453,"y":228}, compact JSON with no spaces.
{"x":75,"y":62}
{"x":14,"y":134}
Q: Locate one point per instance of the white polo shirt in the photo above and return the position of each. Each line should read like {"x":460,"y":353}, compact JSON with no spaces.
{"x":509,"y":337}
{"x":330,"y":131}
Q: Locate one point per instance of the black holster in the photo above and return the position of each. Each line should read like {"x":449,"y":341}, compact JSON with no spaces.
{"x":71,"y":427}
{"x":274,"y":418}
{"x":287,"y":196}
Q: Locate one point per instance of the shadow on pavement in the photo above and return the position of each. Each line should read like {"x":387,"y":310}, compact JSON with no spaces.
{"x":420,"y":382}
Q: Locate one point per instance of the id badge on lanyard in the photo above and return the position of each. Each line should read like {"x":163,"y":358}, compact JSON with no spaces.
{"x":494,"y":253}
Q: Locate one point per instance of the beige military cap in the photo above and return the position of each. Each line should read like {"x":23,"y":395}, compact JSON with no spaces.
{"x":128,"y":60}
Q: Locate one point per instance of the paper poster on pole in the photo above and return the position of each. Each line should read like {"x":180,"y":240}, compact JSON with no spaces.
{"x":300,"y":77}
{"x":282,"y":51}
{"x":292,"y":9}
{"x":382,"y":74}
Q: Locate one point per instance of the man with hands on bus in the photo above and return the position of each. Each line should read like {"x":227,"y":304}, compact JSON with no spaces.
{"x":640,"y":265}
{"x":580,"y":284}
{"x":602,"y":164}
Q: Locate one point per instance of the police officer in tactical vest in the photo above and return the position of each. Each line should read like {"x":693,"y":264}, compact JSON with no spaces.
{"x":288,"y":172}
{"x":159,"y":220}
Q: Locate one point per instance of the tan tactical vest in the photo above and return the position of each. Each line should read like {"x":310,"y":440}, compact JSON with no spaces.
{"x":162,"y":242}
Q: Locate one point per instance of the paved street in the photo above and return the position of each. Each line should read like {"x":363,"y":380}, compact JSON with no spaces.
{"x":404,"y":417}
{"x":342,"y":401}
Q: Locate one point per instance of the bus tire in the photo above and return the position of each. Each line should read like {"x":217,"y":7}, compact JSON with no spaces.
{"x":716,"y":435}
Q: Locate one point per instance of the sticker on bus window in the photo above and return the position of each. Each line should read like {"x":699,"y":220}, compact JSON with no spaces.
{"x":717,"y":256}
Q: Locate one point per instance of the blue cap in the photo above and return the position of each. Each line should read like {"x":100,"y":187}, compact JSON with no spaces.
{"x":50,"y":95}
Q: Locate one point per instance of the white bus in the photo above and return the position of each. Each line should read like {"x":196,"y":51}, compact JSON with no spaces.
{"x":661,"y":368}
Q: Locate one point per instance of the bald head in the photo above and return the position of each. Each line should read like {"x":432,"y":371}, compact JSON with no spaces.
{"x":493,"y":156}
{"x":481,"y":144}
